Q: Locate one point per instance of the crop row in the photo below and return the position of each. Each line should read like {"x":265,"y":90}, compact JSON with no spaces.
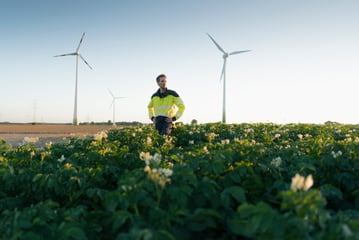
{"x":214,"y":181}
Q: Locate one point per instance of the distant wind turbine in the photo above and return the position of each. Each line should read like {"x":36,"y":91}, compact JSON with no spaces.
{"x":77,"y":54}
{"x":113,"y":105}
{"x":223,"y":73}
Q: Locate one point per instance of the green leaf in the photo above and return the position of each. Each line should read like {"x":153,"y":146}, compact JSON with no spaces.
{"x":119,"y":219}
{"x":74,"y":233}
{"x":256,"y":220}
{"x":217,"y":166}
{"x":37,"y":177}
{"x":232,"y":193}
{"x":163,"y":234}
{"x":330,"y":191}
{"x":4,"y":147}
{"x":203,"y":219}
{"x":110,"y":201}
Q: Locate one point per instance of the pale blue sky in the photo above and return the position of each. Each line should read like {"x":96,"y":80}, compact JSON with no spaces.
{"x":303,"y":66}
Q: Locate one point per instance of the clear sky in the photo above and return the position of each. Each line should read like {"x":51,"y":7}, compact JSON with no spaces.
{"x":303,"y":66}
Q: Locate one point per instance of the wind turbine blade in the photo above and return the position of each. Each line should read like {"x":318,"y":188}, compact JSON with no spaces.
{"x":78,"y":47}
{"x":111,"y":104}
{"x":223,"y":69}
{"x":238,"y":52}
{"x":111,"y":93}
{"x":85,"y":61}
{"x":67,"y":54}
{"x":219,"y":47}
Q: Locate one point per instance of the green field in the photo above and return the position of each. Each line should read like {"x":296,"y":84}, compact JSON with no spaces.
{"x":208,"y":181}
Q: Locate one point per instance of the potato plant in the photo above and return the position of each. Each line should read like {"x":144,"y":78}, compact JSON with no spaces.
{"x":209,"y":181}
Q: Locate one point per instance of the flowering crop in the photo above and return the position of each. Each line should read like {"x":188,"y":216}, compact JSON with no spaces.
{"x":301,"y":183}
{"x":159,"y":175}
{"x":211,"y":181}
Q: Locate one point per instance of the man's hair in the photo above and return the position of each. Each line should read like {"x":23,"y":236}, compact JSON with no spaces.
{"x":159,"y":76}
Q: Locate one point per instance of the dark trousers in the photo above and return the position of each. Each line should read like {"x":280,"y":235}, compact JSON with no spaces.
{"x":163,"y":125}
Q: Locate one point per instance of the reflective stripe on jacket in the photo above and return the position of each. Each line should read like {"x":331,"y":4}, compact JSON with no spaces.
{"x":167,"y":104}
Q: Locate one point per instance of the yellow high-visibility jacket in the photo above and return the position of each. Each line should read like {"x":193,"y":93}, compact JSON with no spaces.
{"x":168,"y":104}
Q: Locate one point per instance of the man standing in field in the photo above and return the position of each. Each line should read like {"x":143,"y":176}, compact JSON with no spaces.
{"x":165,"y":106}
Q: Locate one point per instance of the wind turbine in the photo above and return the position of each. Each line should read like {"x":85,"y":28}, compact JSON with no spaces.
{"x":77,"y":54}
{"x":114,"y":98}
{"x":223,"y":73}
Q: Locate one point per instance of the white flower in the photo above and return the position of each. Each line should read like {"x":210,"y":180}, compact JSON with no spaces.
{"x":30,"y":140}
{"x":166,"y":172}
{"x":190,"y":142}
{"x":45,"y":154}
{"x":301,"y":183}
{"x":205,"y":149}
{"x":147,"y":169}
{"x":225,"y":141}
{"x":277,"y":135}
{"x":156,"y":159}
{"x":300,"y":136}
{"x":60,"y":160}
{"x":149,"y":141}
{"x":297,"y":182}
{"x":99,"y":136}
{"x":48,"y":144}
{"x":145,"y":156}
{"x":159,"y":176}
{"x":211,"y":136}
{"x":248,"y":130}
{"x":308,"y":182}
{"x":168,"y":139}
{"x":335,"y":155}
{"x":276,"y":161}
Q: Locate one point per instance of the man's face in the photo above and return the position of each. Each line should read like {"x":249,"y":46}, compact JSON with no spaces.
{"x":162,"y":82}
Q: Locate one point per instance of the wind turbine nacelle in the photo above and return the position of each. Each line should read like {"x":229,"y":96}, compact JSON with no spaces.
{"x":225,"y":55}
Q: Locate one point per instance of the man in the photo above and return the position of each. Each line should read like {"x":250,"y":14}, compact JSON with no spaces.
{"x":165,"y":106}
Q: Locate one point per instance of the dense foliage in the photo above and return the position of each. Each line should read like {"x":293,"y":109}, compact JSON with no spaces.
{"x":211,"y":181}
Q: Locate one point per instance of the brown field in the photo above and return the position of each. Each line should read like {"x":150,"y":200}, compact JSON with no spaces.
{"x":15,"y":133}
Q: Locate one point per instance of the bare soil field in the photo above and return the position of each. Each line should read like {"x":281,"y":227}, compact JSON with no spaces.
{"x":14,"y":134}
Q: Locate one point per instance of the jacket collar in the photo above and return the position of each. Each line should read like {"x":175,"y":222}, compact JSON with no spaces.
{"x":164,"y":94}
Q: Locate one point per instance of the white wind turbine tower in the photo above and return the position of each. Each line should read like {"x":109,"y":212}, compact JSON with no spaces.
{"x":113,"y":105}
{"x":77,"y":54}
{"x":223,"y":73}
